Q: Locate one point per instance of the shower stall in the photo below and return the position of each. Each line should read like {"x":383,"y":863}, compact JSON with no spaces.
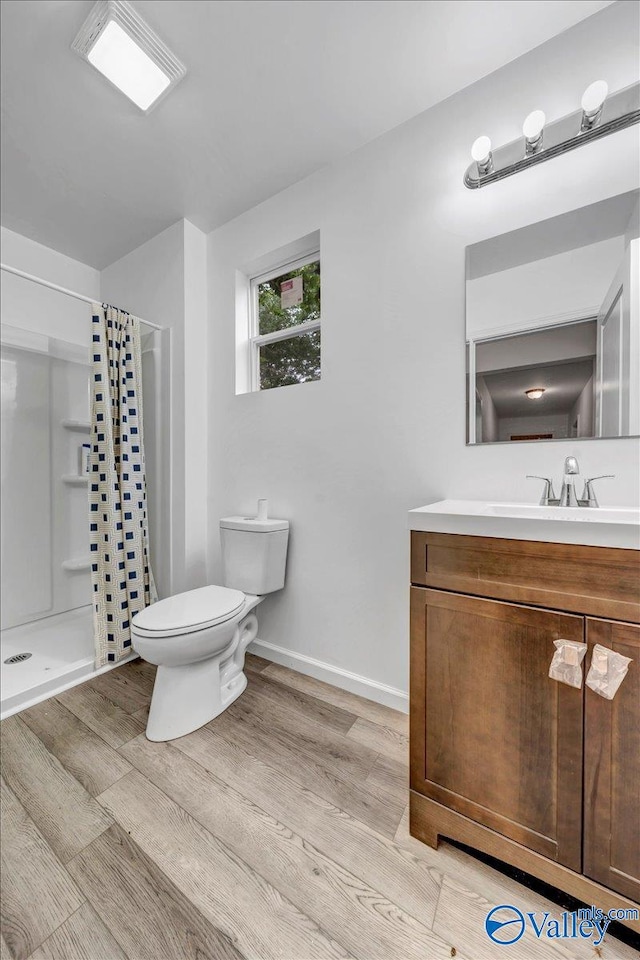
{"x":47,"y":642}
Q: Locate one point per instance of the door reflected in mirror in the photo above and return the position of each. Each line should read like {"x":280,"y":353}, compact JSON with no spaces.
{"x":553,"y":328}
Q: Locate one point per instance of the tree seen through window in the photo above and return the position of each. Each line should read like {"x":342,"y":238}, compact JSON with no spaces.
{"x":295,"y":359}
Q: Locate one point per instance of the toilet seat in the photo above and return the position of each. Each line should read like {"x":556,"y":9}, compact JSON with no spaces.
{"x":189,"y":612}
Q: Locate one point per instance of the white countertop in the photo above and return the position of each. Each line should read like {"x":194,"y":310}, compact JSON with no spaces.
{"x":591,"y":526}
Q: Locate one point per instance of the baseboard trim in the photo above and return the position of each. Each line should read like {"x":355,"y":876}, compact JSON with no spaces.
{"x":336,"y":676}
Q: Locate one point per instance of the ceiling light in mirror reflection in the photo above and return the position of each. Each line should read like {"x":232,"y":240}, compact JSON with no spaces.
{"x":535,"y":393}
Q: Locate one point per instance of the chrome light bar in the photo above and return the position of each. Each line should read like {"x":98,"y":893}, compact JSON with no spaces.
{"x":617,"y":111}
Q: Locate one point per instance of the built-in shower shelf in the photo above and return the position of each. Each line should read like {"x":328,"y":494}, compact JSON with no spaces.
{"x":79,"y":563}
{"x":82,"y":426}
{"x":75,"y":479}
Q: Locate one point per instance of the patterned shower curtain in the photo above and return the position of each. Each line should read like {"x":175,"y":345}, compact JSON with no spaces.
{"x":120,"y":567}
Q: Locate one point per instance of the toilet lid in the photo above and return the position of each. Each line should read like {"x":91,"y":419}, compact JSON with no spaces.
{"x":192,"y":610}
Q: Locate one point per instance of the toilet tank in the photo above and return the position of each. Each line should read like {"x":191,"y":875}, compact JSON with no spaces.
{"x":254,"y":554}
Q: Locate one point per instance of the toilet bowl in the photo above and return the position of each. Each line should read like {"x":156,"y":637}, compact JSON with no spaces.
{"x":198,"y":639}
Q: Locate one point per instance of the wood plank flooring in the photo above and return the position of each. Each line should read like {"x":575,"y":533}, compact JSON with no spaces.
{"x":66,"y":815}
{"x":82,"y":936}
{"x":276,"y":832}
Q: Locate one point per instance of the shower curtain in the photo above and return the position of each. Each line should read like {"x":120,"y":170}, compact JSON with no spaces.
{"x":121,"y":574}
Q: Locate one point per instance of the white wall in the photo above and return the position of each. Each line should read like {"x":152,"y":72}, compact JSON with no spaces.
{"x":384,"y":430}
{"x":541,"y":347}
{"x":567,"y":286}
{"x":489,"y":420}
{"x":195,"y":405}
{"x":557,"y":424}
{"x":38,"y":309}
{"x":164,"y":281}
{"x":149,"y":282}
{"x":633,"y":227}
{"x":583,"y":411}
{"x":44,"y":521}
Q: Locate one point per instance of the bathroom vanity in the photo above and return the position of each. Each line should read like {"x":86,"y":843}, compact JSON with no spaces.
{"x":532,"y":771}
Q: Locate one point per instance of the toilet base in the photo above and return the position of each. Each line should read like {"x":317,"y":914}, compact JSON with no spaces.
{"x":184,"y":699}
{"x":189,"y":695}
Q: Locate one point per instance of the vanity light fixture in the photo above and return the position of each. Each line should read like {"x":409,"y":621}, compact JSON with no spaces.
{"x":535,"y":393}
{"x":481,"y":153}
{"x":116,"y":41}
{"x":592,"y":103}
{"x":600,"y":115}
{"x":533,"y":128}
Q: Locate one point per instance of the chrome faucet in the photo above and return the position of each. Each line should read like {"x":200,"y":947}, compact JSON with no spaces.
{"x":589,"y":498}
{"x":568,"y":497}
{"x":548,"y":498}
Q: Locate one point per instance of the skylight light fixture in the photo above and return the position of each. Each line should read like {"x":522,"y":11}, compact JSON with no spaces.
{"x":116,"y":41}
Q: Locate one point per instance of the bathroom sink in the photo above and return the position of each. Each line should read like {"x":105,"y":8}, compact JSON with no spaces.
{"x":592,"y":526}
{"x":573,"y":514}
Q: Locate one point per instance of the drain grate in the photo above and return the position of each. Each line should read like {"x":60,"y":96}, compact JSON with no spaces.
{"x":18,"y":658}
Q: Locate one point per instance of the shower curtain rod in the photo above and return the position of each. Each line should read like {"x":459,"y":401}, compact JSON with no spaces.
{"x":69,"y":293}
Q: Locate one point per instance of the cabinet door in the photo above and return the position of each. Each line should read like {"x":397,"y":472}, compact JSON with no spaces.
{"x":492,"y":736}
{"x":612,"y":768}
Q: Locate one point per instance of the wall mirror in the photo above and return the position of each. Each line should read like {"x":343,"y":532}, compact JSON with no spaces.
{"x":553,"y":328}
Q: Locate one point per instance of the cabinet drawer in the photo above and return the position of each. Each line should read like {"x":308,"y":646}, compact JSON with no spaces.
{"x":599,"y":581}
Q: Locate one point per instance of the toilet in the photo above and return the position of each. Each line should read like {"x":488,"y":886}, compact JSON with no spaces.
{"x":198,"y":639}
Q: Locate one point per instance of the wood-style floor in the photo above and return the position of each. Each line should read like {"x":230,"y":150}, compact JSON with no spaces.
{"x":276,"y":832}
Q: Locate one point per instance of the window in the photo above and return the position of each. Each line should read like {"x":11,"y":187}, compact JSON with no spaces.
{"x":285,"y":325}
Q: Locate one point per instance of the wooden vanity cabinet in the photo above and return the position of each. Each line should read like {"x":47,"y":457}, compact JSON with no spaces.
{"x":502,"y":744}
{"x":612,"y":768}
{"x":534,"y":772}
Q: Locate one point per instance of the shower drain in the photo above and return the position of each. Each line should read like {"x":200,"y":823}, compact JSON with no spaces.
{"x":18,"y":658}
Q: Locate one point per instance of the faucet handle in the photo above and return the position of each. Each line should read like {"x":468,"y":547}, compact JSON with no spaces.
{"x":548,"y":494}
{"x":589,"y":498}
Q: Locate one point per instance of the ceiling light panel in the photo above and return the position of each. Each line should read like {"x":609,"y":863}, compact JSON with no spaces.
{"x":116,"y":41}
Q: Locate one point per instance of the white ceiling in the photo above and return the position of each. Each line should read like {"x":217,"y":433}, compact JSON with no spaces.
{"x":275,"y":89}
{"x":563,"y":384}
